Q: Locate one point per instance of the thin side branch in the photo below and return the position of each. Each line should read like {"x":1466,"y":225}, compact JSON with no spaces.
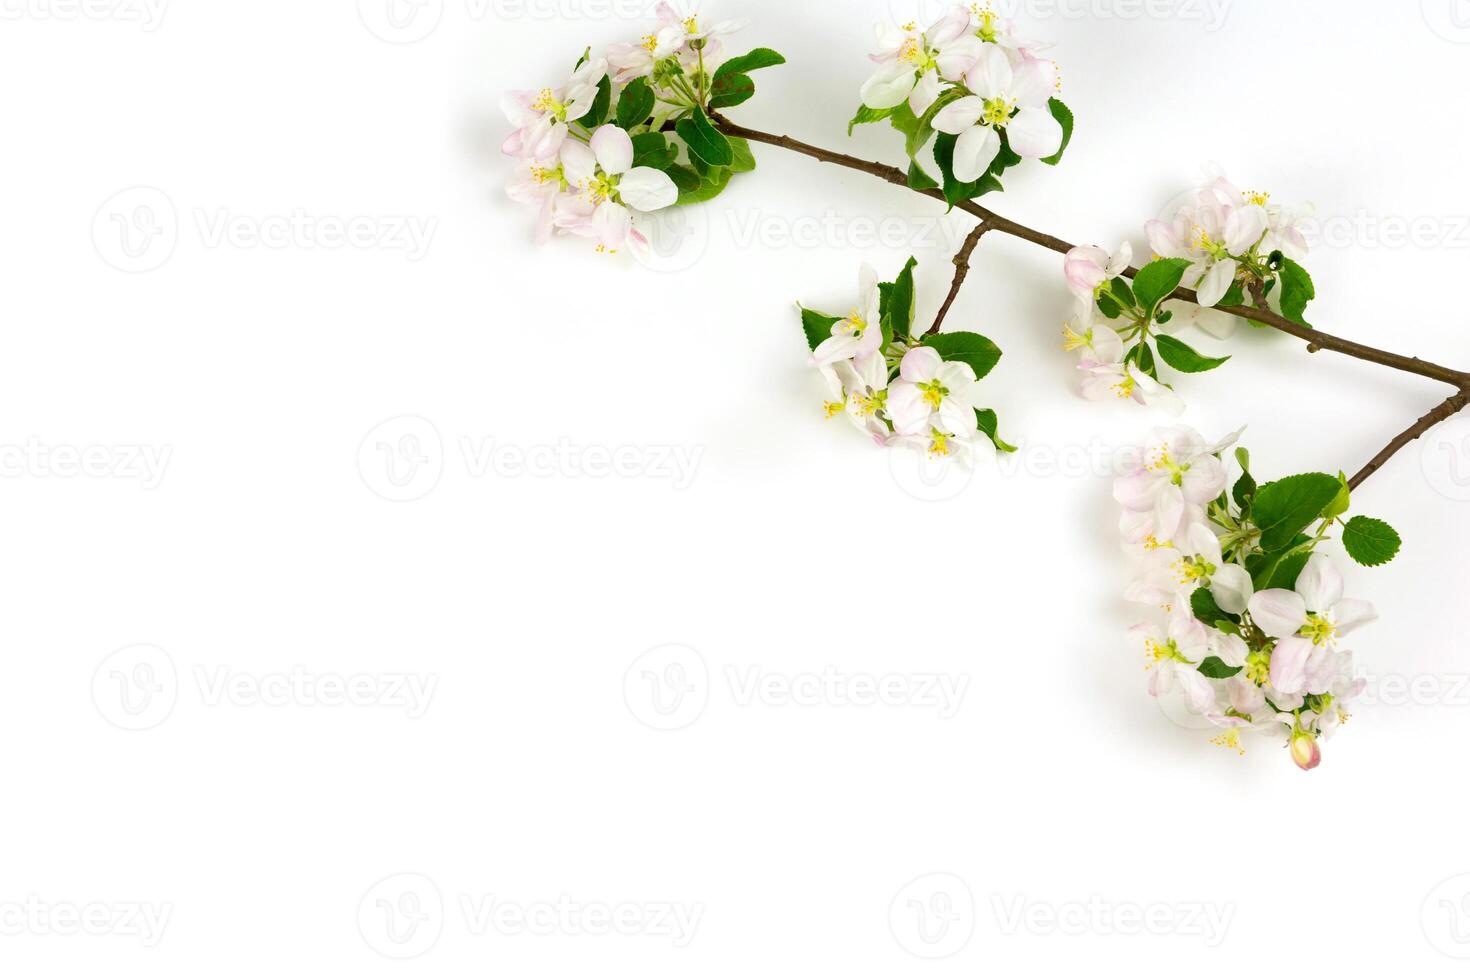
{"x":961,"y":271}
{"x":1316,"y":339}
{"x":1448,"y":410}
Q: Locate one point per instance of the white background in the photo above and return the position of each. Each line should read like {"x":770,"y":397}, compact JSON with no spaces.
{"x":264,"y":826}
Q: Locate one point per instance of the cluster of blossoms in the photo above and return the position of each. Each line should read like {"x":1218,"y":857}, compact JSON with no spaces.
{"x":1254,"y":613}
{"x":969,"y":78}
{"x":901,"y":388}
{"x":594,"y":154}
{"x":1221,"y":241}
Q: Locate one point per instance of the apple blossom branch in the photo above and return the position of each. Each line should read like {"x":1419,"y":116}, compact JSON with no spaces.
{"x":992,"y":222}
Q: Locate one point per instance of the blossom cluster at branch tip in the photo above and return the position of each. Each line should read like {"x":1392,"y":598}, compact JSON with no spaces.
{"x":1232,"y":247}
{"x":1252,"y":618}
{"x":594,"y":155}
{"x":970,"y":77}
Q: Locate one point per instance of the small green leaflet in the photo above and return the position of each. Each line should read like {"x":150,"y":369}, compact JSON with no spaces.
{"x":1063,"y":115}
{"x":1216,"y":669}
{"x":653,"y":150}
{"x":1182,"y":357}
{"x":1297,"y":290}
{"x":732,"y":83}
{"x":1156,"y":281}
{"x":1371,"y":542}
{"x":711,"y":186}
{"x":744,"y":159}
{"x":1206,"y":609}
{"x":866,"y":116}
{"x":898,"y":314}
{"x":969,"y":348}
{"x":597,"y":115}
{"x":747,"y":63}
{"x":1282,"y":510}
{"x":989,"y":424}
{"x":636,"y":103}
{"x":817,"y":326}
{"x":704,"y":141}
{"x":923,"y":129}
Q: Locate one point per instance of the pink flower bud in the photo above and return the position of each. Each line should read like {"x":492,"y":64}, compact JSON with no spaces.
{"x":1305,"y":751}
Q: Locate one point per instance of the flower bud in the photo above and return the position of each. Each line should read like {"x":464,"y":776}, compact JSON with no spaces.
{"x":1305,"y":751}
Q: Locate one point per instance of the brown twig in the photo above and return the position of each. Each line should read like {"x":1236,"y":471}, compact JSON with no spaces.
{"x":1448,"y":410}
{"x":1261,"y":313}
{"x":961,"y":271}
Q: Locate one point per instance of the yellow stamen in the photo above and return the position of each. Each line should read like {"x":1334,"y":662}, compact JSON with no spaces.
{"x":1229,"y":739}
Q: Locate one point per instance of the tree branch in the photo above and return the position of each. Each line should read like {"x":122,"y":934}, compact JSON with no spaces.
{"x":961,"y":271}
{"x":1316,"y":339}
{"x":990,"y":221}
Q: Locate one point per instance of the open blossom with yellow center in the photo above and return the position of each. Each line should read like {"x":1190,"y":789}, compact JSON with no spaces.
{"x":1307,"y":623}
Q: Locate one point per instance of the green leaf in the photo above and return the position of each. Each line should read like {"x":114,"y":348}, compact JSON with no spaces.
{"x":1245,"y":491}
{"x":1143,"y":355}
{"x":1063,"y":115}
{"x":636,"y":103}
{"x":1158,"y":280}
{"x":653,"y":150}
{"x":1182,"y":357}
{"x":989,"y":424}
{"x":685,"y":179}
{"x":1282,"y":510}
{"x":970,"y":348}
{"x":597,"y":115}
{"x":1281,"y":569}
{"x":1122,"y":292}
{"x":919,"y":179}
{"x":1343,"y":502}
{"x":1216,"y":669}
{"x":731,"y":90}
{"x":1297,"y":290}
{"x":704,"y":141}
{"x":1109,"y":307}
{"x":747,"y":63}
{"x":898,"y":313}
{"x":744,"y":158}
{"x":923,"y":129}
{"x":1371,"y":542}
{"x":1234,"y":296}
{"x":817,"y":326}
{"x":865,"y":116}
{"x":711,"y":186}
{"x":1206,"y":609}
{"x":956,"y":190}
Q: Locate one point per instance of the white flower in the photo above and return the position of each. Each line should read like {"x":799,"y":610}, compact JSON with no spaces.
{"x":933,"y":394}
{"x":860,"y":333}
{"x":541,"y":118}
{"x":1097,"y":342}
{"x":1089,"y":268}
{"x":1179,"y":475}
{"x":961,"y":446}
{"x":860,"y":391}
{"x":1307,"y":623}
{"x":679,"y":34}
{"x":1102,"y":381}
{"x":1174,"y":657}
{"x":913,"y":62}
{"x":610,"y":185}
{"x":1174,"y":572}
{"x":1014,"y":99}
{"x":1213,"y":230}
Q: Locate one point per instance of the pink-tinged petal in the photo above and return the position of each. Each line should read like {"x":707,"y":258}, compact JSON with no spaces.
{"x":1244,"y":696}
{"x":1322,"y":670}
{"x":992,"y":74}
{"x":1161,"y":681}
{"x":1138,"y":491}
{"x":957,"y":58}
{"x":1169,"y":514}
{"x":1289,"y":665}
{"x":1034,"y":85}
{"x":1320,"y":584}
{"x":959,"y":116}
{"x":974,"y":152}
{"x":908,"y":409}
{"x":890,"y":85}
{"x":1279,"y":612}
{"x":646,"y":189}
{"x":578,"y":164}
{"x":921,"y":365}
{"x":1217,"y":282}
{"x":1163,"y":240}
{"x":1205,"y":480}
{"x":611,"y":223}
{"x":515,"y":144}
{"x":834,"y":350}
{"x":954,"y":24}
{"x":613,"y":148}
{"x":1199,"y":693}
{"x":1244,"y":228}
{"x":925,"y":93}
{"x":1352,"y":614}
{"x":1231,"y":649}
{"x":517,"y":108}
{"x":1305,"y":752}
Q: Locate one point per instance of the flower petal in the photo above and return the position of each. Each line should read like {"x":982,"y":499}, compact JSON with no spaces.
{"x":1279,"y":612}
{"x":646,"y":189}
{"x":959,"y":116}
{"x":1320,"y":584}
{"x":974,"y":152}
{"x":613,"y":148}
